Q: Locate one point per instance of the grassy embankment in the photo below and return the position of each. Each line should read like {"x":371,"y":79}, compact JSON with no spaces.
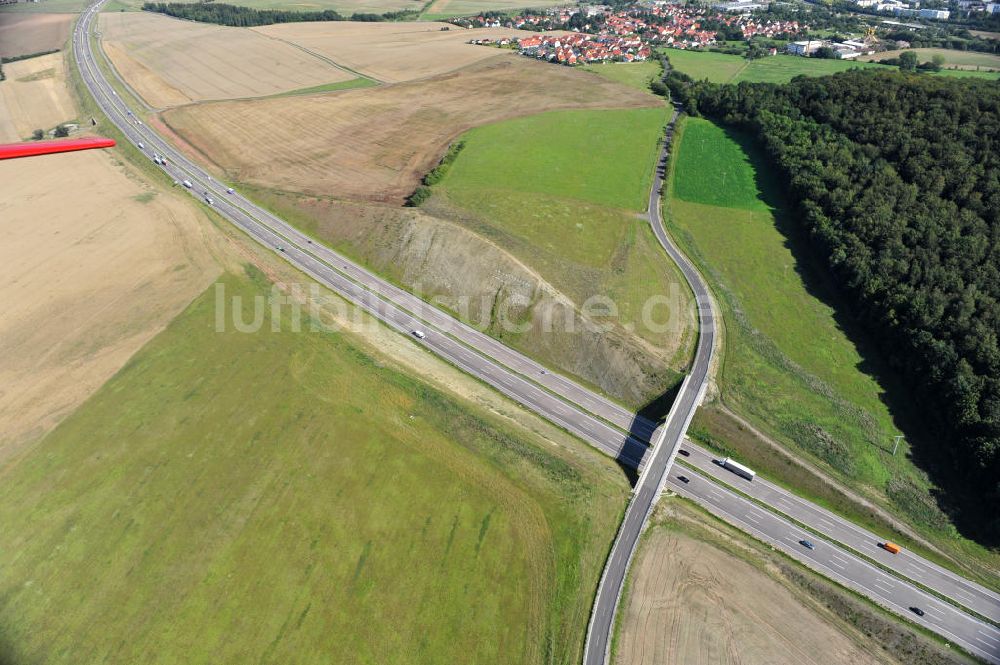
{"x":724,"y":68}
{"x":789,"y":366}
{"x":633,"y":74}
{"x":562,"y":192}
{"x":965,"y":60}
{"x":273,"y":496}
{"x":359,"y":82}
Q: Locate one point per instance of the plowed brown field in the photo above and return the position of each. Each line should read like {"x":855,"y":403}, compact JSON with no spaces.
{"x":21,"y":34}
{"x":376,"y":143}
{"x":695,"y":604}
{"x":171,"y":62}
{"x":391,"y":52}
{"x":34,"y":96}
{"x":93,"y":262}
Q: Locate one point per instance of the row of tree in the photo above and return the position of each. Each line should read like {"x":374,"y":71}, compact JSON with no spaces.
{"x":896,"y":177}
{"x":243,"y":17}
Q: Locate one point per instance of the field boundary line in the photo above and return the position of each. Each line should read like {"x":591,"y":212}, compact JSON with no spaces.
{"x":318,"y":56}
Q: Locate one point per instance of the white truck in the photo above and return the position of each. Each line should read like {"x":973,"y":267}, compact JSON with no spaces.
{"x":738,"y":469}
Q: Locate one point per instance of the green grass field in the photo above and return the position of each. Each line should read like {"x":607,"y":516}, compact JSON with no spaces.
{"x":633,"y":74}
{"x":562,"y":190}
{"x":723,"y":68}
{"x":600,"y":157}
{"x":359,"y":82}
{"x":789,"y":365}
{"x":970,"y":73}
{"x":971,"y":59}
{"x":291,"y":497}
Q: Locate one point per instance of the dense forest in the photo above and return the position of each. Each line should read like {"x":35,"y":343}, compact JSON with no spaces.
{"x":244,"y":17}
{"x":896,"y":178}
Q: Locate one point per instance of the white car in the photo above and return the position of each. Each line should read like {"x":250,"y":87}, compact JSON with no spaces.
{"x":230,"y":191}
{"x":419,"y":334}
{"x":142,"y":146}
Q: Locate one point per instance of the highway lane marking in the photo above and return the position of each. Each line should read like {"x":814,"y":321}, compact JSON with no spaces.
{"x":834,"y":563}
{"x":889,"y":586}
{"x":784,"y":502}
{"x":988,"y":636}
{"x":848,"y":581}
{"x":752,"y":518}
{"x":991,"y":646}
{"x":874,"y":592}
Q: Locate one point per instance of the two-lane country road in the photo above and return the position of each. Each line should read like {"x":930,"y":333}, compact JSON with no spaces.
{"x":589,"y":416}
{"x":665,"y":445}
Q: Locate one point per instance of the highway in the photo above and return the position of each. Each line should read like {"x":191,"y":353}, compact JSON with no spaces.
{"x":592,"y":418}
{"x":833,"y":527}
{"x":890,"y":592}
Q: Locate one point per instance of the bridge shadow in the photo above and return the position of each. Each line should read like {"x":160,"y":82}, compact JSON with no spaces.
{"x":640,"y":431}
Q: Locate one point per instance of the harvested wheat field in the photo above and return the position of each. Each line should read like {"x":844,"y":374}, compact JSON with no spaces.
{"x":171,"y":62}
{"x":465,"y":7}
{"x":85,"y":286}
{"x":21,"y":34}
{"x":34,"y":96}
{"x":693,"y":603}
{"x":376,"y":143}
{"x":391,"y":52}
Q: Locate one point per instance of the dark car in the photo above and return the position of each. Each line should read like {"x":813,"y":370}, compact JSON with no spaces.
{"x":916,"y":610}
{"x":683,"y":452}
{"x":683,"y":479}
{"x":807,"y":544}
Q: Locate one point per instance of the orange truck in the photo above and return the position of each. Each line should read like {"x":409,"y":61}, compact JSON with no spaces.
{"x":890,"y":547}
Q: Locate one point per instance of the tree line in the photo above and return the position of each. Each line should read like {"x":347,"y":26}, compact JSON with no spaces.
{"x":896,"y":178}
{"x":245,"y":17}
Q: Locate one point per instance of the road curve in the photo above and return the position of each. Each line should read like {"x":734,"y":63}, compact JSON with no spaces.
{"x":598,"y":644}
{"x":607,"y":426}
